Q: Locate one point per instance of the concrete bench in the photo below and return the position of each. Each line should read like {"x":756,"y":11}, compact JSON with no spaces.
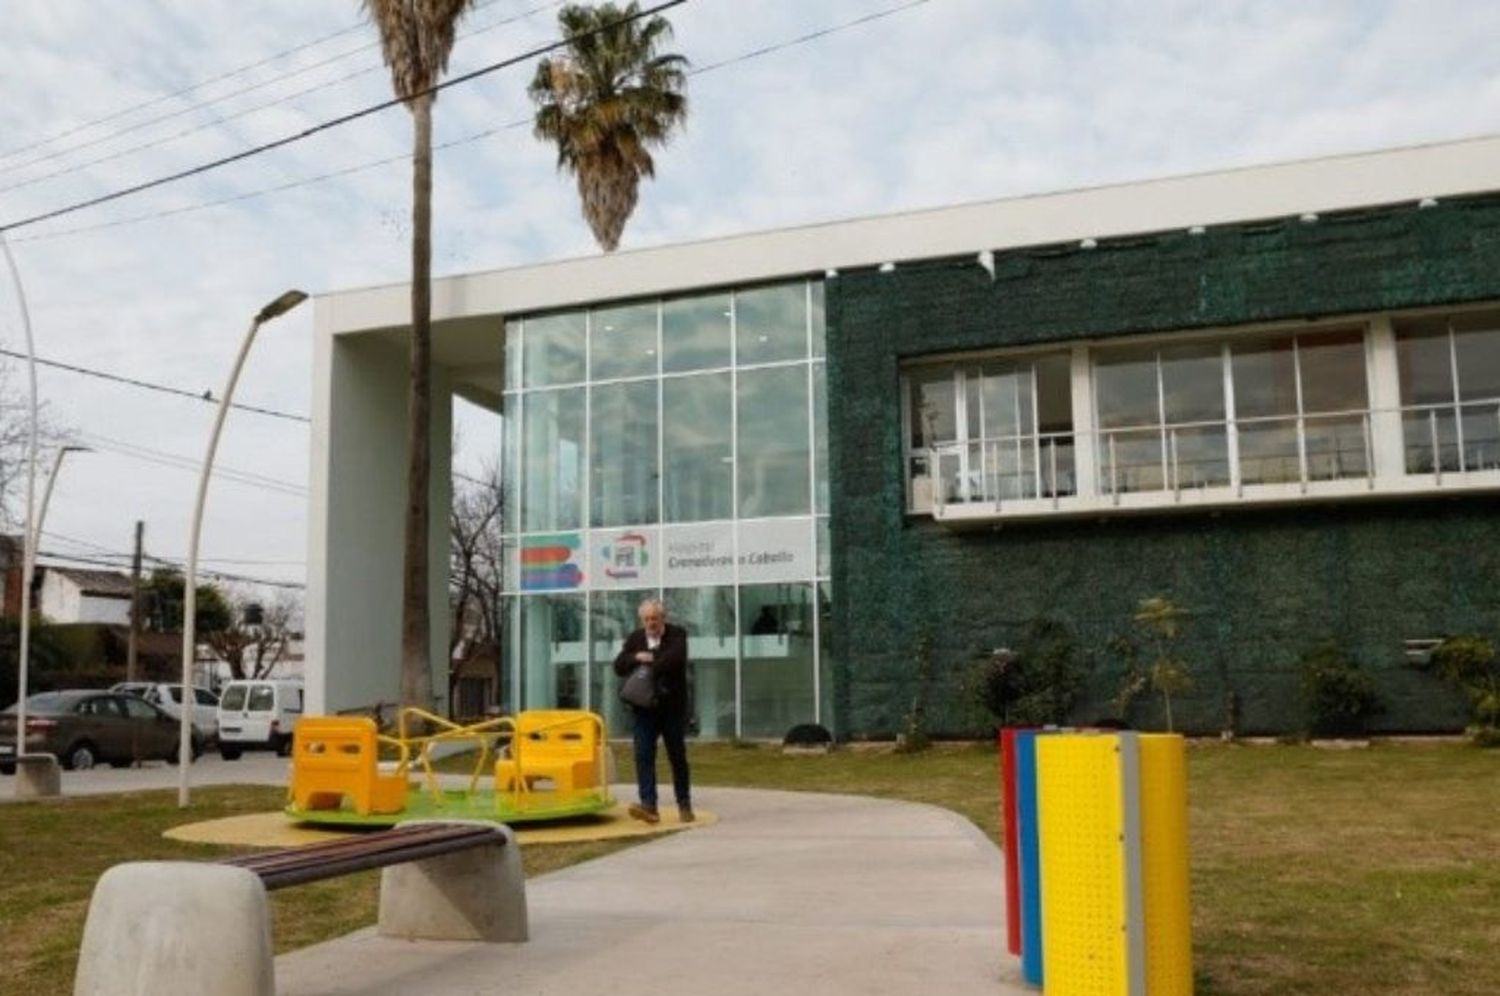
{"x":205,"y":927}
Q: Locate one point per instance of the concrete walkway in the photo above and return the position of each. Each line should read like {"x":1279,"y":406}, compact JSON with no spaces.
{"x":789,"y":893}
{"x":254,"y":768}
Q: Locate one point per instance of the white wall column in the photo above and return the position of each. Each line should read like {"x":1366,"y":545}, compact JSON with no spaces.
{"x":1386,"y":440}
{"x":1085,"y":436}
{"x":356,"y":522}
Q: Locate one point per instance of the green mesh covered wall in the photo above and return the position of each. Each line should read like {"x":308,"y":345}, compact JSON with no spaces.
{"x":1262,"y":585}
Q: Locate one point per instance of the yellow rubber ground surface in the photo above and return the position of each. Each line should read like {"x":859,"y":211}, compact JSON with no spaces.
{"x":275,"y":830}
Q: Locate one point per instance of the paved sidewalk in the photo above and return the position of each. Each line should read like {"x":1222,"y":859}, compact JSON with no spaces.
{"x":791,"y":892}
{"x":262,"y":768}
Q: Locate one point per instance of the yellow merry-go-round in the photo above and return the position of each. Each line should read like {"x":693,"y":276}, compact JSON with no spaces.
{"x":545,"y":764}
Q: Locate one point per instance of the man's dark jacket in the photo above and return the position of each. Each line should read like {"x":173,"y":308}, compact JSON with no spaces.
{"x":669,"y":664}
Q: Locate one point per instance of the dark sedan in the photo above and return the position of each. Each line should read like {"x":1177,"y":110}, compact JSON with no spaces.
{"x":86,"y":727}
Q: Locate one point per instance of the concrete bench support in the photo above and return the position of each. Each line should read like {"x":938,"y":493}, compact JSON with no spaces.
{"x":473,"y":895}
{"x":177,"y":927}
{"x":38,"y":776}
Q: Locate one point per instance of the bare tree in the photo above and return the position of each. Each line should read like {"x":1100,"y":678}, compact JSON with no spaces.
{"x":259,"y":634}
{"x":14,"y":436}
{"x":476,"y":575}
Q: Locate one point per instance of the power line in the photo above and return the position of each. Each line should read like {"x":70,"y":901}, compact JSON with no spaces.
{"x":224,"y":119}
{"x":181,"y":462}
{"x":217,"y":575}
{"x":335,"y":122}
{"x":452,"y":143}
{"x":230,"y":74}
{"x":105,"y":551}
{"x":204,"y":396}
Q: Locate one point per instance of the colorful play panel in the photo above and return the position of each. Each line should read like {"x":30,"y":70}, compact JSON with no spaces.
{"x":1096,"y":861}
{"x":547,"y":765}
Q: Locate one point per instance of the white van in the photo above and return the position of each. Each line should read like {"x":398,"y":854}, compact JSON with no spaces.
{"x":258,"y":715}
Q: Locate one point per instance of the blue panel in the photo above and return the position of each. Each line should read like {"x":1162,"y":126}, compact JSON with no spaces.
{"x":1030,"y":858}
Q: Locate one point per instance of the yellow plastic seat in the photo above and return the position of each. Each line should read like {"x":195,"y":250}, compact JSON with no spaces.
{"x":336,"y":758}
{"x":561,"y":746}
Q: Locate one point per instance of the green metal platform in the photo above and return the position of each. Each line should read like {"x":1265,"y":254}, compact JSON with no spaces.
{"x":529,"y":807}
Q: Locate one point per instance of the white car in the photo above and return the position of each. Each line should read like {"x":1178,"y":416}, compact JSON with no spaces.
{"x":168,"y":698}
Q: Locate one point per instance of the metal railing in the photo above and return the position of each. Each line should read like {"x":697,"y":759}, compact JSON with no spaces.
{"x":1302,"y":450}
{"x":1451,"y":438}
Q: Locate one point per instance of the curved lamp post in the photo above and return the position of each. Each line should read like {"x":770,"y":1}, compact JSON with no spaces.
{"x":28,"y":547}
{"x":286,"y":302}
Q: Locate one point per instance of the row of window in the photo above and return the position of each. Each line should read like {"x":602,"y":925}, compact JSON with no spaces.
{"x":1247,"y":410}
{"x":677,"y":335}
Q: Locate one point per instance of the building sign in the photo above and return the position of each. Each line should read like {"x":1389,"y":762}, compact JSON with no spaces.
{"x":625,"y":558}
{"x":776,"y":550}
{"x":551,"y":563}
{"x":699,"y":554}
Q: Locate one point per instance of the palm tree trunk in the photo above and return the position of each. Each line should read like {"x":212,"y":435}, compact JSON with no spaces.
{"x":416,"y":667}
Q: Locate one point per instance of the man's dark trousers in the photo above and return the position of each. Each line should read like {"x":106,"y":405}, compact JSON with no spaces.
{"x":671,"y":726}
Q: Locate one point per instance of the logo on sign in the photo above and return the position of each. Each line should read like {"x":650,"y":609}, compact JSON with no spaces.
{"x":625,"y":557}
{"x":548,"y":563}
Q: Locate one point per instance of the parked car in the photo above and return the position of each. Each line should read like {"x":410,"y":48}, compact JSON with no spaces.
{"x":258,"y":715}
{"x":86,"y":726}
{"x":168,"y":698}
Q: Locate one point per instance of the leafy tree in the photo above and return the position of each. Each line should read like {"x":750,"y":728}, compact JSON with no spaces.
{"x":416,"y":37}
{"x":163,"y":597}
{"x":605,"y":102}
{"x":1160,"y":620}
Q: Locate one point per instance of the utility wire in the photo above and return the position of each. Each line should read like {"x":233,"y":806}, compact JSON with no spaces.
{"x":217,"y":575}
{"x":181,"y":462}
{"x":452,"y":143}
{"x":204,"y":396}
{"x":338,"y":121}
{"x":230,"y":74}
{"x":225,"y":119}
{"x":105,"y":551}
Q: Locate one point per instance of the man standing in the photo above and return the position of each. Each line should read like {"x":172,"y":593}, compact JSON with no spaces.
{"x":662,"y":647}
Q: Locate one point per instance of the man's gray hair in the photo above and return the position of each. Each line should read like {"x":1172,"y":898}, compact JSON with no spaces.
{"x":651,"y":602}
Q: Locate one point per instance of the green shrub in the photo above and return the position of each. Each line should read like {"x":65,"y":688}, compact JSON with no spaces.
{"x":1338,"y":696}
{"x":914,"y":736}
{"x":1038,"y":683}
{"x":1160,"y":622}
{"x":1470,"y":662}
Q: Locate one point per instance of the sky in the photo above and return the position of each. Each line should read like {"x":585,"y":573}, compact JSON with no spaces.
{"x":943,"y":102}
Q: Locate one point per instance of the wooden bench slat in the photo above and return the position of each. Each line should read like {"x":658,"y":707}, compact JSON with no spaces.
{"x":315,"y":862}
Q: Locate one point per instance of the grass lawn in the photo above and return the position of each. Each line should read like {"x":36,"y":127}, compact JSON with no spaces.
{"x":1314,"y":871}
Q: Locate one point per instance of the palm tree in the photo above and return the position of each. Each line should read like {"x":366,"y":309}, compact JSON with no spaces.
{"x":604,"y":102}
{"x":416,"y":37}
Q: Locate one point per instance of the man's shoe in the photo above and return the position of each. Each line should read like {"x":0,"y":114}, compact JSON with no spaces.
{"x":685,"y":814}
{"x":646,"y":814}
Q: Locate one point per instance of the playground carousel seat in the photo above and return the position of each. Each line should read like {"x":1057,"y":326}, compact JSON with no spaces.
{"x":561,"y":746}
{"x":336,"y":758}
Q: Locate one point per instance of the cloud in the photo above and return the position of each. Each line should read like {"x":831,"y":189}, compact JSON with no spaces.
{"x":953,"y":101}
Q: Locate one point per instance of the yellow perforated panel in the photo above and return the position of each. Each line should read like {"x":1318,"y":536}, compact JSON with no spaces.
{"x":1164,"y":863}
{"x":1079,"y":795}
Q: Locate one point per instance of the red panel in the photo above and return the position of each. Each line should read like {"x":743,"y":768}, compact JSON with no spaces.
{"x":1012,"y":841}
{"x":545,"y":555}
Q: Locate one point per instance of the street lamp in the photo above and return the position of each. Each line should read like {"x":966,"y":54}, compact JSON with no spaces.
{"x":28,"y":547}
{"x":286,"y":302}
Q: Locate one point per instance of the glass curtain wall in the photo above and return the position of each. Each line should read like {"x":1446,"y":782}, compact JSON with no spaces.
{"x":666,"y":448}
